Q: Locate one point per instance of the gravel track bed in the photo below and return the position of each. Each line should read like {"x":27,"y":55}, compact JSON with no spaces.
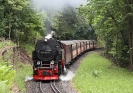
{"x":63,"y":86}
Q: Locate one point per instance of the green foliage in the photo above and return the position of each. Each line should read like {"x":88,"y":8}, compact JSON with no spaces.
{"x":19,"y":21}
{"x":23,"y":71}
{"x":28,"y":47}
{"x":96,"y":73}
{"x":70,"y":25}
{"x":22,"y":24}
{"x":6,"y":43}
{"x":109,"y":19}
{"x":7,"y":75}
{"x":112,"y":79}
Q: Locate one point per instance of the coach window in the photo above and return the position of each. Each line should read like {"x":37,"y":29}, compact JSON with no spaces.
{"x":78,"y":45}
{"x":74,"y":47}
{"x":91,"y":42}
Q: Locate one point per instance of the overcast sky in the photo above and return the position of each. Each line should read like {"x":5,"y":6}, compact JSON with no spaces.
{"x":55,"y":4}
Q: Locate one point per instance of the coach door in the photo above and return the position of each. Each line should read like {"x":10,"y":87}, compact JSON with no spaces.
{"x":68,"y":53}
{"x":74,"y":52}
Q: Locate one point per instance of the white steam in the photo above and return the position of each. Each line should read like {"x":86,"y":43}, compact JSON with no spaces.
{"x":52,"y":33}
{"x":27,"y":78}
{"x":69,"y":76}
{"x":48,"y":36}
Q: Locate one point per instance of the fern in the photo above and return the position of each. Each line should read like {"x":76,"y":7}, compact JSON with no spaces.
{"x":7,"y":75}
{"x":3,"y":86}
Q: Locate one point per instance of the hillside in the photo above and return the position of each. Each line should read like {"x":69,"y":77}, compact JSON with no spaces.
{"x":19,"y":61}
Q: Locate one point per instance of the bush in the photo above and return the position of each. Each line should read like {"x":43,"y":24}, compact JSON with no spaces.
{"x":7,"y":75}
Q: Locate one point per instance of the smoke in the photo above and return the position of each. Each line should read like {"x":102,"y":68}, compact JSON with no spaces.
{"x":52,"y":8}
{"x":50,"y":35}
{"x":68,"y":76}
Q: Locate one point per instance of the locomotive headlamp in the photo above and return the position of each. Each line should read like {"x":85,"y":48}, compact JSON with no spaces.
{"x":38,"y":62}
{"x":52,"y":62}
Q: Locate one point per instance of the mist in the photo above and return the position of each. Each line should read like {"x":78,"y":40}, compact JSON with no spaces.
{"x":52,"y":7}
{"x":56,"y":4}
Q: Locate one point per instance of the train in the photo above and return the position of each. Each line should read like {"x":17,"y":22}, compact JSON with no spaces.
{"x":51,"y":56}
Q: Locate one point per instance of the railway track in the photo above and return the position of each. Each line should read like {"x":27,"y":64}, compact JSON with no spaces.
{"x":54,"y":88}
{"x":46,"y":87}
{"x":41,"y":88}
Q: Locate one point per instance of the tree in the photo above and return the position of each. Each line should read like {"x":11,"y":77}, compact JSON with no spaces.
{"x":19,"y":21}
{"x":70,"y":25}
{"x":128,"y":20}
{"x":110,"y":19}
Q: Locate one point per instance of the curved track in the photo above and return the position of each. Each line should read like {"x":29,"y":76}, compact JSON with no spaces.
{"x":41,"y":88}
{"x":54,"y":88}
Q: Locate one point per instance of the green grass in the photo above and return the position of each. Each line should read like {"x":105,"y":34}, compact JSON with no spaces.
{"x":108,"y":79}
{"x":21,"y":72}
{"x":7,"y":43}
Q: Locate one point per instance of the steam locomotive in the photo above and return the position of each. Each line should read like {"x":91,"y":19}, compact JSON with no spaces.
{"x":51,"y":56}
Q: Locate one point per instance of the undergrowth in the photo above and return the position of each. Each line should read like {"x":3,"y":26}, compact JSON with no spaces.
{"x":13,"y":73}
{"x":22,"y":71}
{"x":97,"y":75}
{"x":7,"y":43}
{"x":28,"y":47}
{"x":7,"y":75}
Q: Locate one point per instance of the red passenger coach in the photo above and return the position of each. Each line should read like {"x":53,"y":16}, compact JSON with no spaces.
{"x":73,"y":48}
{"x":69,"y":50}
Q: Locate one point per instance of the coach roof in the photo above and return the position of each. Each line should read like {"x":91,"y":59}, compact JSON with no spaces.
{"x":68,"y":42}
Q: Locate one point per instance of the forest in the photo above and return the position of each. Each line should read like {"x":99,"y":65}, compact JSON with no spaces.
{"x":112,"y":21}
{"x":107,"y":21}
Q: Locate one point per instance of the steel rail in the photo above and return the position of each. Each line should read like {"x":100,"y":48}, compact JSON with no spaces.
{"x":41,"y":87}
{"x":54,"y":88}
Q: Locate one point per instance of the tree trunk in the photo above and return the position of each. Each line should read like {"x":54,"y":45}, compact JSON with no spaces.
{"x":9,"y":34}
{"x":129,"y":2}
{"x":131,"y":52}
{"x":9,"y":24}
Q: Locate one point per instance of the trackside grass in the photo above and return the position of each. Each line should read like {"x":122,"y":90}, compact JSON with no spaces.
{"x":97,"y":75}
{"x":23,"y":71}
